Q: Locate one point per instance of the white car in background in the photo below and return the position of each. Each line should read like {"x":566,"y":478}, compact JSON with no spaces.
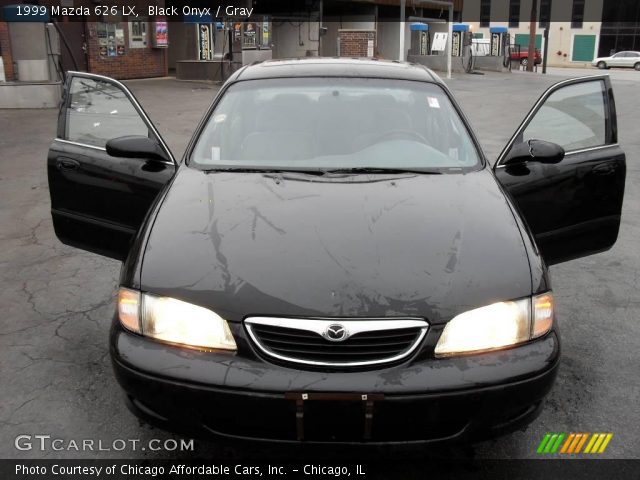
{"x":620,"y":59}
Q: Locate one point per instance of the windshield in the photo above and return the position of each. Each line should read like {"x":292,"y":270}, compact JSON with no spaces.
{"x":335,"y":123}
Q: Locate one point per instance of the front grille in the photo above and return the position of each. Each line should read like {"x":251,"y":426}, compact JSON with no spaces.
{"x":310,"y":341}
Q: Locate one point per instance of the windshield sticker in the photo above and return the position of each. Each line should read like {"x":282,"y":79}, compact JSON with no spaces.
{"x":433,"y":102}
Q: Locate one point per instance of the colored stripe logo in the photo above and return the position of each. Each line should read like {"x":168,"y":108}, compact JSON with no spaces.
{"x":574,"y":443}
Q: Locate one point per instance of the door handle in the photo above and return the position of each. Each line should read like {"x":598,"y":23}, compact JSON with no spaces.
{"x":604,"y":169}
{"x":67,"y":164}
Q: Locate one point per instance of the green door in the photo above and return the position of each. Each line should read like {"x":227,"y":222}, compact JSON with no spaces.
{"x":522,"y":39}
{"x":583,"y":48}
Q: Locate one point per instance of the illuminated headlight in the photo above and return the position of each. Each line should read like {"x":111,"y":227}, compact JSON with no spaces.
{"x":497,"y":326}
{"x":173,"y":321}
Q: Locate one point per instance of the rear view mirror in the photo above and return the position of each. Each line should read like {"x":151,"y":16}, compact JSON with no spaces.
{"x":136,"y":146}
{"x":535,"y":151}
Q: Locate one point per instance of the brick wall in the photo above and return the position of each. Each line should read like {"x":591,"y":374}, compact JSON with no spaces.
{"x":356,"y":43}
{"x":135,"y":63}
{"x":5,"y":49}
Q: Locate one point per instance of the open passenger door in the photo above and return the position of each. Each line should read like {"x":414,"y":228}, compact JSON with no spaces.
{"x":100,"y":194}
{"x":572,"y":202}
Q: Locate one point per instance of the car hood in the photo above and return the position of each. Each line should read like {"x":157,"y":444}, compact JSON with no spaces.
{"x":341,"y":246}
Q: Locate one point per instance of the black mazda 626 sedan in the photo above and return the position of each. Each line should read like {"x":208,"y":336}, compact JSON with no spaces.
{"x":334,"y":259}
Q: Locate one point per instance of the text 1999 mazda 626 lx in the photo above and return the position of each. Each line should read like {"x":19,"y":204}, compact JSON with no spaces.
{"x":334,"y":259}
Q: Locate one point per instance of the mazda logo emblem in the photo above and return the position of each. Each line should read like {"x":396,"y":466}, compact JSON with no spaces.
{"x":336,"y":333}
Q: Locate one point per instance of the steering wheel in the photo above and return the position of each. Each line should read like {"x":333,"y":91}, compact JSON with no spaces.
{"x":398,"y":134}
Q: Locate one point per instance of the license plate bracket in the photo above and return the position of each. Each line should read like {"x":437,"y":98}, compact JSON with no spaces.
{"x":367,"y":400}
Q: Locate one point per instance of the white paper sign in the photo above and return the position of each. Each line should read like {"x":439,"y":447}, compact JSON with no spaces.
{"x":439,"y":42}
{"x":370,"y":48}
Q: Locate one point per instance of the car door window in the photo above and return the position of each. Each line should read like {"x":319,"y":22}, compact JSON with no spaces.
{"x":99,"y":111}
{"x":572,"y":206}
{"x":572,"y":117}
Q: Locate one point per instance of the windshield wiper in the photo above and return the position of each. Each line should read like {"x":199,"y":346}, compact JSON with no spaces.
{"x":329,"y":171}
{"x":422,"y":171}
{"x":263,"y":170}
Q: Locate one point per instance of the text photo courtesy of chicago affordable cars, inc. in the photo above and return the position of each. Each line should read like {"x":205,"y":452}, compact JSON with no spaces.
{"x":322,"y":239}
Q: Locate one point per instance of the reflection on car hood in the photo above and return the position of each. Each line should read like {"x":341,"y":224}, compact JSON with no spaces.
{"x":298,"y":245}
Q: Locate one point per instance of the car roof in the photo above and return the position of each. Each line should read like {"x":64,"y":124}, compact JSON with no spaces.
{"x":336,"y":67}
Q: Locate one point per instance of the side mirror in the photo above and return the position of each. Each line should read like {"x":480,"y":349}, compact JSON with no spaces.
{"x":535,"y":151}
{"x":136,"y":146}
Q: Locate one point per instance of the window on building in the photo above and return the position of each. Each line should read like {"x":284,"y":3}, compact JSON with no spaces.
{"x":137,"y":34}
{"x":514,"y":13}
{"x":110,"y":39}
{"x":577,"y":14}
{"x":485,"y":13}
{"x":545,"y":13}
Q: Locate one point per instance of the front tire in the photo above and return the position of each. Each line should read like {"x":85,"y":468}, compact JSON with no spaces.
{"x":602,"y":65}
{"x":524,"y":62}
{"x":637,"y":66}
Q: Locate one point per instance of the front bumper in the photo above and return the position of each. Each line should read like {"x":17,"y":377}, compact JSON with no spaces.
{"x":222,"y":395}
